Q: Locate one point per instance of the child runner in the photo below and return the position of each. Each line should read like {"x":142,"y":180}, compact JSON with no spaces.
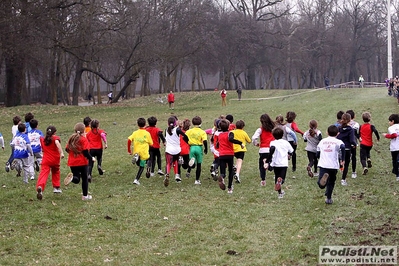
{"x":393,"y":135}
{"x":366,"y":141}
{"x":78,"y":159}
{"x":52,"y":154}
{"x":86,"y":122}
{"x":34,"y":137}
{"x":197,"y":140}
{"x":290,"y":118}
{"x":22,"y":151}
{"x":184,"y":157}
{"x":230,"y":118}
{"x":286,"y":130}
{"x":223,"y":94}
{"x":330,"y":152}
{"x":172,"y":149}
{"x":9,"y":164}
{"x":239,"y":150}
{"x":224,"y":144}
{"x":280,"y":152}
{"x":215,"y":164}
{"x":142,"y":141}
{"x":355,"y":126}
{"x":28,"y":117}
{"x":312,"y":138}
{"x":171,"y":100}
{"x":96,"y":137}
{"x":339,"y":117}
{"x":347,"y":135}
{"x":265,"y":136}
{"x":155,"y":152}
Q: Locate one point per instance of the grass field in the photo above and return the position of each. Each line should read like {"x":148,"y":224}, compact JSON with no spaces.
{"x":185,"y":224}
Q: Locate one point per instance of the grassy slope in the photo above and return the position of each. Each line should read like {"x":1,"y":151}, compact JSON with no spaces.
{"x":196,"y":225}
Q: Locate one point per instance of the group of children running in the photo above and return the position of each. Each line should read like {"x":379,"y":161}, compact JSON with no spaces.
{"x":186,"y":143}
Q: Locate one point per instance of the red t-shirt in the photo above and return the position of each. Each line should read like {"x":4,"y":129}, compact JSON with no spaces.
{"x":265,"y":138}
{"x":225,"y":146}
{"x":185,"y":148}
{"x":154,"y":131}
{"x":79,"y":159}
{"x":94,"y":138}
{"x":171,"y":97}
{"x":51,"y":155}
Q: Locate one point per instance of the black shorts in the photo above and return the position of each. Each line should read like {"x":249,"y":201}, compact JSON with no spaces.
{"x":239,"y":155}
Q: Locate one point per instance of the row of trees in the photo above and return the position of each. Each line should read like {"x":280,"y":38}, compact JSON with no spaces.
{"x":59,"y":50}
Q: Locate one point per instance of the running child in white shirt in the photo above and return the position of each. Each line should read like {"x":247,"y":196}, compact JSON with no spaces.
{"x":330,"y":152}
{"x":393,"y":135}
{"x":280,"y":152}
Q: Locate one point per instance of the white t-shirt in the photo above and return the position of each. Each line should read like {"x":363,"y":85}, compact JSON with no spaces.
{"x":172,"y":142}
{"x":329,"y":149}
{"x":394,"y":145}
{"x":280,"y":154}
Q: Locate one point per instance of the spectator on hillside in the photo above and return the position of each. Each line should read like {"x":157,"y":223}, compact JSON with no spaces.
{"x":327,"y":83}
{"x":109,"y":97}
{"x":239,"y":91}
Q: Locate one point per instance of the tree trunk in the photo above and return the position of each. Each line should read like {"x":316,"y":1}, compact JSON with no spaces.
{"x":76,"y":83}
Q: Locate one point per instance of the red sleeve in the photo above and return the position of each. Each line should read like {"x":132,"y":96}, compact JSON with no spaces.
{"x":295,"y":127}
{"x":391,"y":136}
{"x":129,"y":144}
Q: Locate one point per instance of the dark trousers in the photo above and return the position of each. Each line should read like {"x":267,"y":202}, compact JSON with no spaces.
{"x":353,"y":158}
{"x":227,"y":160}
{"x":313,"y":161}
{"x":364,"y":154}
{"x":346,"y":165}
{"x":293,"y":156}
{"x":262,"y":170}
{"x":155,"y":157}
{"x":80,"y":172}
{"x":332,"y":173}
{"x":98,"y":153}
{"x":394,"y":155}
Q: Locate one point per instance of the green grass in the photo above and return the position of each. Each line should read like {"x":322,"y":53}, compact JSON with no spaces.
{"x":186,"y":224}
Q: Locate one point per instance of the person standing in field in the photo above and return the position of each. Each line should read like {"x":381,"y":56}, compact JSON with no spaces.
{"x":78,"y":159}
{"x":109,"y":97}
{"x":361,"y":81}
{"x":239,"y":92}
{"x":223,"y":94}
{"x":171,"y":100}
{"x":52,"y":155}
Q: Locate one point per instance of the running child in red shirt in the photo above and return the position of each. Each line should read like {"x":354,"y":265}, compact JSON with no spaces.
{"x":96,"y":137}
{"x":366,"y":141}
{"x":78,"y":159}
{"x":224,"y":144}
{"x":155,"y":152}
{"x":52,"y":155}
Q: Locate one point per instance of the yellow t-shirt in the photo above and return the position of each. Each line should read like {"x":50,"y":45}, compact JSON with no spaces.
{"x":142,"y":140}
{"x":196,"y":136}
{"x":242,"y":136}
